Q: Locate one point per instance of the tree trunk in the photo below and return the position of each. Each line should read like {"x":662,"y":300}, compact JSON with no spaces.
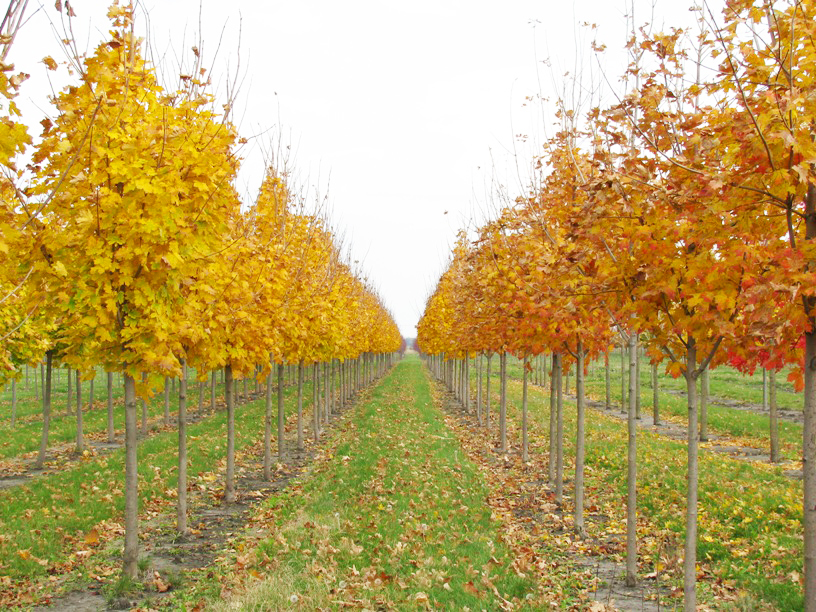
{"x":326,"y":393}
{"x":524,"y":450}
{"x":212,"y":390}
{"x":503,"y":402}
{"x":690,"y":561}
{"x":559,"y":436}
{"x":487,"y":392}
{"x":479,"y":390}
{"x":774,"y":417}
{"x":36,"y":384}
{"x":578,"y":511}
{"x":631,"y":468}
{"x":46,"y":408}
{"x":655,"y":396}
{"x":229,"y":392}
{"x":110,"y":407}
{"x":267,"y":469}
{"x":200,"y":396}
{"x":70,"y":400}
{"x":14,"y":400}
{"x":131,"y":552}
{"x":809,"y":465}
{"x":91,"y":394}
{"x":316,"y":400}
{"x":281,"y":414}
{"x":704,"y":393}
{"x":553,"y":420}
{"x":300,"y":407}
{"x":166,"y":401}
{"x":181,"y":506}
{"x":607,"y":381}
{"x":637,"y":377}
{"x":764,"y":390}
{"x":623,"y":404}
{"x":80,"y":438}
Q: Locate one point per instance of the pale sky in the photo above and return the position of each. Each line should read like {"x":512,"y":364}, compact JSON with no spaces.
{"x":405,"y":113}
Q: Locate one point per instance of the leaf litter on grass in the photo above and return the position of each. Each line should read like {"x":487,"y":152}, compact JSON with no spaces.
{"x":392,"y":517}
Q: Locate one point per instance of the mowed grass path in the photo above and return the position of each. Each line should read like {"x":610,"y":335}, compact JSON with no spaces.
{"x":394,"y":518}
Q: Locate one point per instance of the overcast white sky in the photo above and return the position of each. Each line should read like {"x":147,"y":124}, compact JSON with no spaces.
{"x":412,"y":108}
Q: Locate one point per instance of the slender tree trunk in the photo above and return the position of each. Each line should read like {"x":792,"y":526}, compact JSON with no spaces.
{"x":607,"y":381}
{"x":166,"y":401}
{"x":267,"y":469}
{"x":559,"y":438}
{"x":14,"y":400}
{"x":326,"y":393}
{"x":281,"y":413}
{"x":300,"y":407}
{"x":479,"y":390}
{"x":690,"y":561}
{"x":704,"y":394}
{"x":212,"y":390}
{"x":46,"y":408}
{"x":503,"y":403}
{"x":525,"y":456}
{"x":655,"y":396}
{"x":553,"y":420}
{"x":566,"y":379}
{"x":578,"y":511}
{"x":36,"y":384}
{"x":487,"y":392}
{"x":316,"y":400}
{"x":774,"y":417}
{"x":91,"y":395}
{"x":631,"y":468}
{"x":80,"y":438}
{"x":200,"y":396}
{"x":70,"y":401}
{"x":764,"y":390}
{"x":131,"y":552}
{"x":181,"y":506}
{"x":467,"y":384}
{"x":110,"y":407}
{"x":809,"y":463}
{"x":637,"y":377}
{"x":229,"y":391}
{"x":623,"y":404}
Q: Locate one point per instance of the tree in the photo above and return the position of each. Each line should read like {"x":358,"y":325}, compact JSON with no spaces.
{"x":128,"y":229}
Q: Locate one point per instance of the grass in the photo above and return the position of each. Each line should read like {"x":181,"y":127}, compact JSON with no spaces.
{"x":394,"y":519}
{"x":44,"y":522}
{"x":25,"y":436}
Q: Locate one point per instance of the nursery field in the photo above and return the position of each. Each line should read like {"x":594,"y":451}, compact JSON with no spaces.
{"x":405,"y":503}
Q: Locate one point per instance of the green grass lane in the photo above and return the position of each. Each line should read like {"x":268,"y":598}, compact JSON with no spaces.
{"x":395,"y":519}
